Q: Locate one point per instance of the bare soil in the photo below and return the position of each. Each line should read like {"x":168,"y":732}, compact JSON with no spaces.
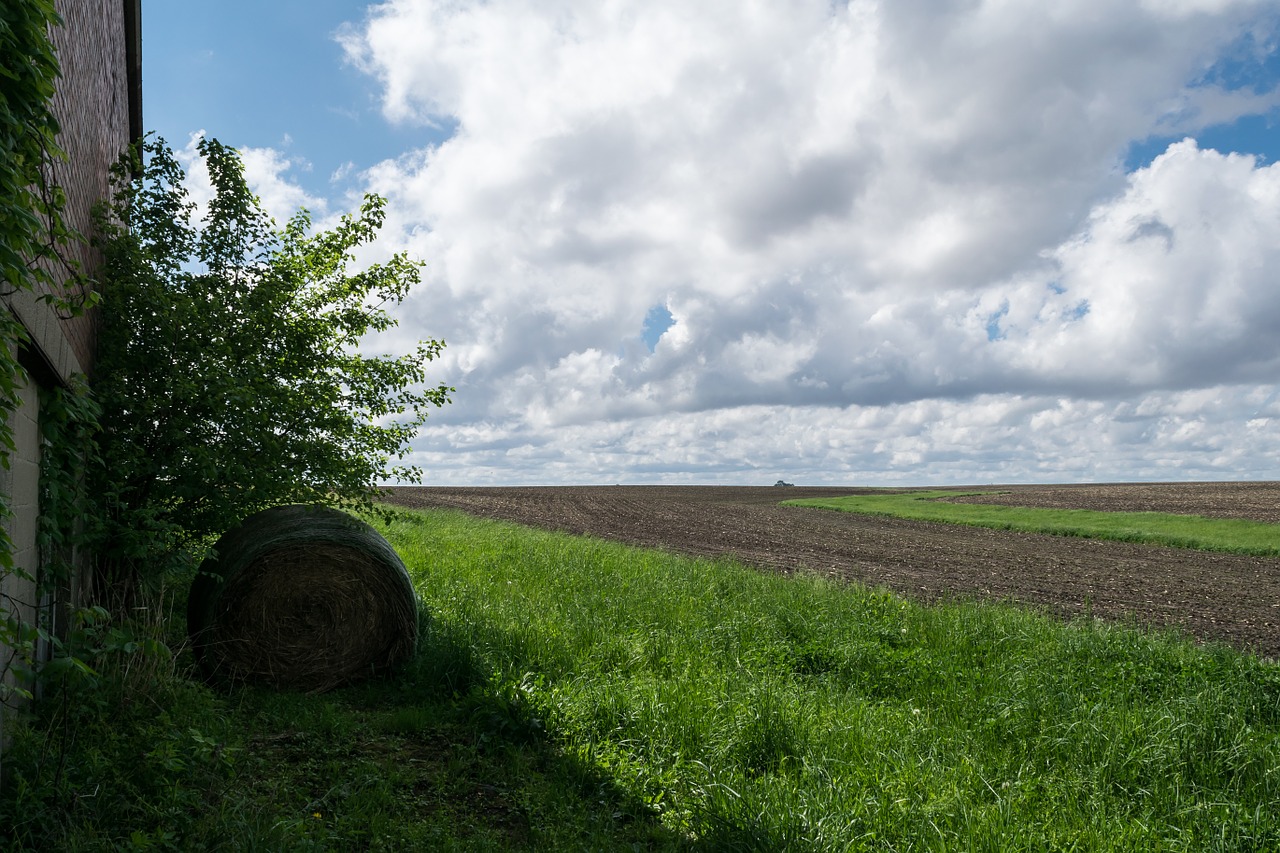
{"x":1220,"y":597}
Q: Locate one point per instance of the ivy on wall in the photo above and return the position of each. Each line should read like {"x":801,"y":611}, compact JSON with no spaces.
{"x":29,"y":205}
{"x":33,"y":257}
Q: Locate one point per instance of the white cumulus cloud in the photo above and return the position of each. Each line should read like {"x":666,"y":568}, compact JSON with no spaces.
{"x":850,"y":211}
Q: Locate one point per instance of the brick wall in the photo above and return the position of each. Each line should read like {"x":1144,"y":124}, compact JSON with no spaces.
{"x":97,"y":107}
{"x":92,"y":107}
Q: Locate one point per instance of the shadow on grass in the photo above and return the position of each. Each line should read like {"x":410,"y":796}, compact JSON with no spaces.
{"x":481,"y":754}
{"x":436,"y":756}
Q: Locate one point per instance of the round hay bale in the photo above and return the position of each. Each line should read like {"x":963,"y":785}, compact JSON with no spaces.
{"x":303,"y":598}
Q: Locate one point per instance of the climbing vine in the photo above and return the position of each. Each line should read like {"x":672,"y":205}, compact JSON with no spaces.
{"x":29,"y":206}
{"x":34,"y":257}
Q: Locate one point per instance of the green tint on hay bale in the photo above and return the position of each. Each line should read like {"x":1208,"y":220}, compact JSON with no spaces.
{"x":302,"y":598}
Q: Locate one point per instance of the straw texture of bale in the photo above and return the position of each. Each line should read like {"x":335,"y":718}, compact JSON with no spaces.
{"x":301,"y":598}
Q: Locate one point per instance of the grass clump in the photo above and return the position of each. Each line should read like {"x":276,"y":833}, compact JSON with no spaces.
{"x":1230,"y":535}
{"x":575,"y":694}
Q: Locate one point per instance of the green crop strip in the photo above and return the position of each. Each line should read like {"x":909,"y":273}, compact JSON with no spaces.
{"x":1231,"y":535}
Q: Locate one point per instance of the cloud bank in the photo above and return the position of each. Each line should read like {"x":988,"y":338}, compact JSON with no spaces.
{"x":889,"y":242}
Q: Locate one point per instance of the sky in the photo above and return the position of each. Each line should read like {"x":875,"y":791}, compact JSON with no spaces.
{"x":905,"y":242}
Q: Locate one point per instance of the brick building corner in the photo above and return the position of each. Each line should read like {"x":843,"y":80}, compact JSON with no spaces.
{"x":98,"y":105}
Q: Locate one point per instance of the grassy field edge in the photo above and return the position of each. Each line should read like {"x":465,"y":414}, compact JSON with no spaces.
{"x":571,"y":693}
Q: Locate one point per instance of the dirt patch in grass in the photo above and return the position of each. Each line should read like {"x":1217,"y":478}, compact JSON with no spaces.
{"x":1224,"y":597}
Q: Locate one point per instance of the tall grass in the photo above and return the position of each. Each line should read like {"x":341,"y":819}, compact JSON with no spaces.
{"x":574,"y":694}
{"x":752,"y":711}
{"x":1232,"y":535}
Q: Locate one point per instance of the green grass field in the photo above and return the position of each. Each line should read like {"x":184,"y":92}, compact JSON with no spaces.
{"x":1237,"y":536}
{"x":575,"y":694}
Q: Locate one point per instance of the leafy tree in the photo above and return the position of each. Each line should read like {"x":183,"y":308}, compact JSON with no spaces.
{"x":229,"y":374}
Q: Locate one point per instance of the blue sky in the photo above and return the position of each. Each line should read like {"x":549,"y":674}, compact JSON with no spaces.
{"x":1247,"y":65}
{"x":921,"y":242}
{"x":279,"y":83}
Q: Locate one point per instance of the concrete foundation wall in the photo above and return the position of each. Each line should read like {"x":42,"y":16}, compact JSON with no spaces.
{"x":21,"y":482}
{"x":19,"y":590}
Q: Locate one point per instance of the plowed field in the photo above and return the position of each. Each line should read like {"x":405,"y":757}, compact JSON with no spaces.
{"x":1223,"y":597}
